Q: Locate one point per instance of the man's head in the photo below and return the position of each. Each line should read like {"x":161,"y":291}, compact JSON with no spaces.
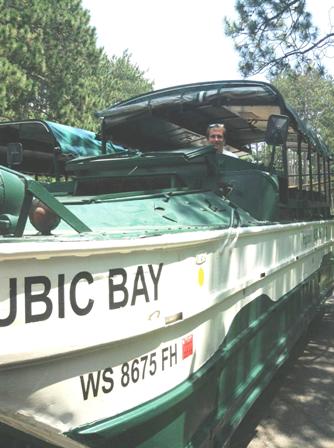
{"x":216,"y":136}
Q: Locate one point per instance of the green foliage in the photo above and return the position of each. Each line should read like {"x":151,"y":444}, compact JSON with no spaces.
{"x":51,"y":67}
{"x":122,"y":79}
{"x":311,"y":94}
{"x":275,"y":35}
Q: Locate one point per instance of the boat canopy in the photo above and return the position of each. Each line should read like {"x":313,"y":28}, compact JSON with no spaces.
{"x":45,"y":142}
{"x":177,"y":117}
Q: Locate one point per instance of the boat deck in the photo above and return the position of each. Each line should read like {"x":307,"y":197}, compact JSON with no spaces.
{"x":297,"y":408}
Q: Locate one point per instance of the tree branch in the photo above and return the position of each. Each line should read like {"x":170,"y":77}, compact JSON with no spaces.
{"x":294,"y":53}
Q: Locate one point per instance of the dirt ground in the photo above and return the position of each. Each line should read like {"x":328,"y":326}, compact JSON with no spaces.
{"x":297,"y":408}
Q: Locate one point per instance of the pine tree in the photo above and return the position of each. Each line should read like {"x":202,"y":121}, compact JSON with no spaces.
{"x":51,"y":67}
{"x":275,"y":35}
{"x":311,"y":94}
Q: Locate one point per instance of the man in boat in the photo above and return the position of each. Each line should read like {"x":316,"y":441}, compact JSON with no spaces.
{"x":215,"y":135}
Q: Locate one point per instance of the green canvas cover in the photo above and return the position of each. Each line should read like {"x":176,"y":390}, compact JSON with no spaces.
{"x":79,"y":142}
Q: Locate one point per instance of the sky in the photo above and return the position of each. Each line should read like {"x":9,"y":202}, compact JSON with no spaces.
{"x":179,"y":41}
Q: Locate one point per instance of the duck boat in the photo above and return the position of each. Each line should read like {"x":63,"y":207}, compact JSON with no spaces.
{"x":150,"y":288}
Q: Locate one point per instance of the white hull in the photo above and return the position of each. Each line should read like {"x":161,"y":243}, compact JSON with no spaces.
{"x":73,"y":355}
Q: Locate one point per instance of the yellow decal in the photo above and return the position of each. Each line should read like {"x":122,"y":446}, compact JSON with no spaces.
{"x":201,"y":277}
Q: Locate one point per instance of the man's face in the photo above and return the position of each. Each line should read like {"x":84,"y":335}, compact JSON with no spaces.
{"x":216,"y":138}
